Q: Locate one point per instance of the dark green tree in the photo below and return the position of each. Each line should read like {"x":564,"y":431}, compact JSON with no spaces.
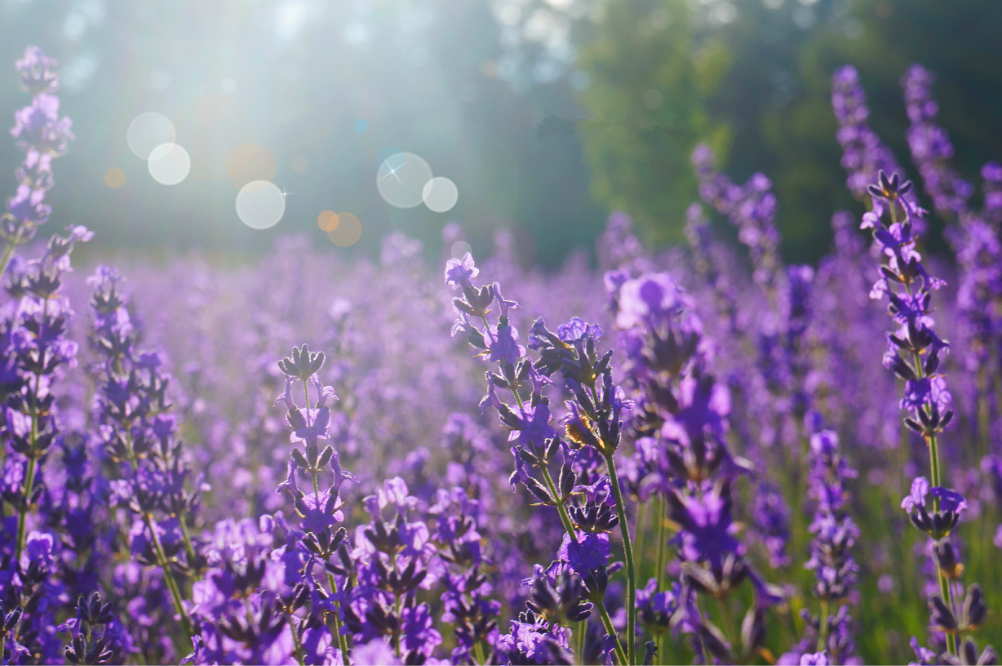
{"x":651,"y":79}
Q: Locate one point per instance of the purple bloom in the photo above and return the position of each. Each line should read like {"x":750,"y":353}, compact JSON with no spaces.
{"x":585,"y":553}
{"x":503,"y":344}
{"x":576,"y":330}
{"x":916,"y":498}
{"x":459,"y":272}
{"x":949,"y":500}
{"x":535,"y":426}
{"x":707,"y":531}
{"x":816,"y":659}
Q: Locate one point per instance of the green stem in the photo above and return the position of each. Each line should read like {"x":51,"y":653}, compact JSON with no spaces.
{"x":823,"y":631}
{"x":727,"y":619}
{"x":338,"y":634}
{"x":582,"y":631}
{"x":175,"y":591}
{"x":611,"y":630}
{"x":662,"y":541}
{"x":188,"y":549}
{"x":298,"y":653}
{"x":396,"y":630}
{"x":572,"y":532}
{"x":631,"y":572}
{"x":640,"y":531}
{"x":22,"y":510}
{"x":342,"y":640}
{"x":564,"y":517}
{"x":944,"y":584}
{"x":8,"y":251}
{"x":478,"y":653}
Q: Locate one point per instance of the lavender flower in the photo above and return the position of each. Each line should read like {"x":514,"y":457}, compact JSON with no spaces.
{"x":43,"y":136}
{"x":914,"y":353}
{"x":864,"y":155}
{"x":930,"y":145}
{"x":750,"y":207}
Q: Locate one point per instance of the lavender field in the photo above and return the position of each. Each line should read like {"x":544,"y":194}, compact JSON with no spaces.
{"x":693,"y":453}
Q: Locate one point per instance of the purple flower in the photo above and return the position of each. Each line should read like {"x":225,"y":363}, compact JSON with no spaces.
{"x":926,"y":391}
{"x":916,"y":498}
{"x":576,"y":330}
{"x":503,"y":344}
{"x":816,"y":659}
{"x":707,"y":531}
{"x":459,"y":272}
{"x":585,"y":553}
{"x":649,"y":300}
{"x":949,"y":500}
{"x":535,"y":426}
{"x":419,"y":631}
{"x":40,"y":549}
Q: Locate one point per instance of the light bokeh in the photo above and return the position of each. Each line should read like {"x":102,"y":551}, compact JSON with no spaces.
{"x":114,"y":178}
{"x":348,"y":230}
{"x":147,"y":131}
{"x":250,"y":162}
{"x":440,"y":194}
{"x":401,"y":179}
{"x":327,"y":221}
{"x":169,"y":164}
{"x":260,"y":204}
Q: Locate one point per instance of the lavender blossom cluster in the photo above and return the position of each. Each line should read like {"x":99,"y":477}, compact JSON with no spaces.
{"x":701,"y":455}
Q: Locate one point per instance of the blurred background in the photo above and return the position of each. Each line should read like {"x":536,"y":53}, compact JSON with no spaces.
{"x":545,"y":114}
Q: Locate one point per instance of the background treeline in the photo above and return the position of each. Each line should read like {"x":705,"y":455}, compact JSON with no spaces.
{"x":547,"y":113}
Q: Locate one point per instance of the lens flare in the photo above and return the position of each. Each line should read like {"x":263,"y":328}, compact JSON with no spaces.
{"x":260,"y":204}
{"x":147,"y":131}
{"x":348,"y":230}
{"x":440,"y":194}
{"x":169,"y":164}
{"x":401,"y":179}
{"x":327,"y":221}
{"x":114,"y":178}
{"x":250,"y":162}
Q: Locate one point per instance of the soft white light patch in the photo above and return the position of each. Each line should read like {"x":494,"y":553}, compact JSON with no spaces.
{"x":260,"y":204}
{"x":401,"y":178}
{"x":440,"y":194}
{"x":169,"y":164}
{"x":147,"y":131}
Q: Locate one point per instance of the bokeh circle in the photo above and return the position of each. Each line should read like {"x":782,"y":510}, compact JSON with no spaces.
{"x":169,"y":164}
{"x":147,"y":131}
{"x":250,"y":162}
{"x":114,"y":178}
{"x":459,"y":249}
{"x":401,"y":179}
{"x":348,"y":230}
{"x":260,"y":204}
{"x":440,"y":194}
{"x":327,"y":221}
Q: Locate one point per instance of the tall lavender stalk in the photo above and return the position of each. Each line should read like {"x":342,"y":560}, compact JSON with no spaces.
{"x":750,"y":207}
{"x":36,"y":353}
{"x":974,"y":237}
{"x":832,"y":561}
{"x":593,"y":427}
{"x":914,"y":354}
{"x":864,"y":155}
{"x":43,"y":136}
{"x":322,"y":511}
{"x":150,"y":472}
